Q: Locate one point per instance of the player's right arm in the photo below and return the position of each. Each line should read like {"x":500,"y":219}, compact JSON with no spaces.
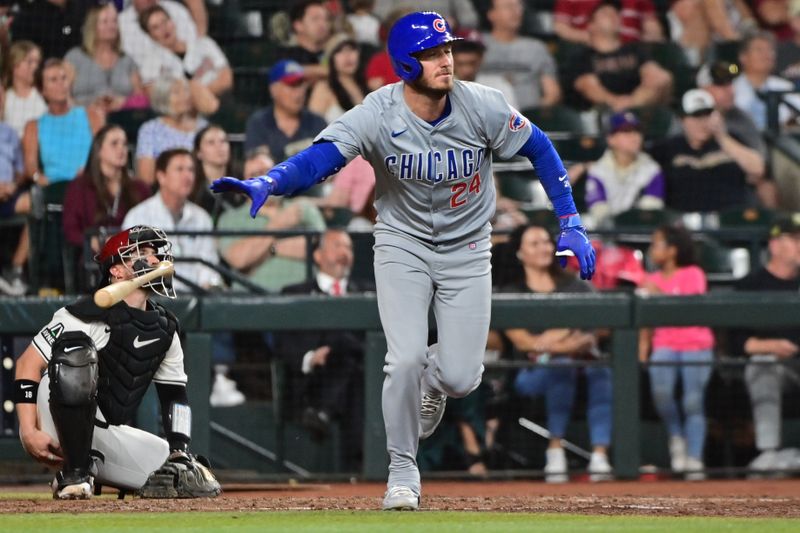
{"x":29,"y":369}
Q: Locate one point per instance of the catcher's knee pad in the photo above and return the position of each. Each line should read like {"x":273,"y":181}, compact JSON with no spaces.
{"x":73,"y":370}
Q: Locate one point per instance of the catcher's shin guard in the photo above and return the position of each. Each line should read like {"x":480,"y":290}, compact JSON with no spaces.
{"x":73,"y":376}
{"x":182,"y":476}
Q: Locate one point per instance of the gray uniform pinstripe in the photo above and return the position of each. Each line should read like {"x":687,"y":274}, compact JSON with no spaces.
{"x":434,"y":196}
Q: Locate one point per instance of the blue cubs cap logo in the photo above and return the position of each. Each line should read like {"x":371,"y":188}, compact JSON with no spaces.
{"x":516,"y":122}
{"x":439,"y":25}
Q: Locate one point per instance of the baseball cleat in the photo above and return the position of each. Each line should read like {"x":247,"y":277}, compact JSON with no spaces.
{"x":72,"y":488}
{"x":399,"y":498}
{"x":431,"y":412}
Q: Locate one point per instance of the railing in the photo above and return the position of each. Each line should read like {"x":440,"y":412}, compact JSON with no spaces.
{"x":624,"y":314}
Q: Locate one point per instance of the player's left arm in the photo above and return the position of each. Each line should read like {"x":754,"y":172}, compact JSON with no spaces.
{"x":176,"y":415}
{"x":553,"y":177}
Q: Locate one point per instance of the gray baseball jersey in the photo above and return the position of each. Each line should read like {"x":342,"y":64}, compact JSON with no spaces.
{"x":432,"y":182}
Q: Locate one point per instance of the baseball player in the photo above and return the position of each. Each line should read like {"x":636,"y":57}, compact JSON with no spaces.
{"x":430,"y":140}
{"x":84,"y":375}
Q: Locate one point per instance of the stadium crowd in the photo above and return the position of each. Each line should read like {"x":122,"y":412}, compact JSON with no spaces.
{"x":118,"y":113}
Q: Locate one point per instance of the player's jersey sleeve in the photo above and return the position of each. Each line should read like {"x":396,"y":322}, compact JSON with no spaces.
{"x":171,"y":369}
{"x":63,"y":321}
{"x":506,"y":128}
{"x":354,"y":132}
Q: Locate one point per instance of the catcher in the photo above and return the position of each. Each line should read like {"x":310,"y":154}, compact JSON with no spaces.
{"x":83,"y":377}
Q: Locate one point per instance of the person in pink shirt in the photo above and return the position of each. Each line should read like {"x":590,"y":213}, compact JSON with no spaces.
{"x":672,"y":252}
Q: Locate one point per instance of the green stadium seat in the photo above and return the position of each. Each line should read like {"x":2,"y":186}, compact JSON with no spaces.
{"x":727,"y":51}
{"x":516,"y":185}
{"x":250,"y":52}
{"x":645,"y":218}
{"x":250,"y":86}
{"x":131,"y":120}
{"x":556,"y":118}
{"x":580,"y":149}
{"x":657,"y":121}
{"x":232,"y":116}
{"x":746,"y":217}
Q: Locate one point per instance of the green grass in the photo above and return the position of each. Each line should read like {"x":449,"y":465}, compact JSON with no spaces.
{"x":376,"y":521}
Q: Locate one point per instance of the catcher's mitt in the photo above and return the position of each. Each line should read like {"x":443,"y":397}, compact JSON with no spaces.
{"x":182,"y":476}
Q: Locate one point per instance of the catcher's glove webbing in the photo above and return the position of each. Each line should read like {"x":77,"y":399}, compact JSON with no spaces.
{"x":182,"y":476}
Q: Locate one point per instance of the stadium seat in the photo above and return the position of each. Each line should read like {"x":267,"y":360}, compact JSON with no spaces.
{"x":580,"y":149}
{"x":715,"y":260}
{"x":131,"y":120}
{"x":517,"y":185}
{"x":250,"y":52}
{"x":250,"y":86}
{"x":556,"y":118}
{"x":727,"y":51}
{"x":232,"y":116}
{"x":657,"y":121}
{"x":748,"y":217}
{"x":672,"y":58}
{"x":644,"y":218}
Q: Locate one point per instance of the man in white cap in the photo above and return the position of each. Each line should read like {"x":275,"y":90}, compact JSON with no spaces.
{"x":706,"y":169}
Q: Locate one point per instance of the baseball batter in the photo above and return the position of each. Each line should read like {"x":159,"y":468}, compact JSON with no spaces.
{"x":431,"y":140}
{"x":83,"y":377}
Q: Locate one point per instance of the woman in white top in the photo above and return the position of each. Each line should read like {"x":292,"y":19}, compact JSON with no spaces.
{"x":199,"y":59}
{"x":104,"y":76}
{"x":23,"y":101}
{"x":345,"y":86}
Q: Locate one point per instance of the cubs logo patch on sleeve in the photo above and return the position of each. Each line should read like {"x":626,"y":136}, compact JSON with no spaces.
{"x":516,"y":122}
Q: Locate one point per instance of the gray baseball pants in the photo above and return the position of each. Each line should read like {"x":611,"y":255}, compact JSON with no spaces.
{"x":410,"y":275}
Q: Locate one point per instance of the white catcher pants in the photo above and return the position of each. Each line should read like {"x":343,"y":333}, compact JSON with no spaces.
{"x":124,"y":456}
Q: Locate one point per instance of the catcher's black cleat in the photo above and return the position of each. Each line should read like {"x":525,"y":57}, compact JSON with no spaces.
{"x":74,"y":485}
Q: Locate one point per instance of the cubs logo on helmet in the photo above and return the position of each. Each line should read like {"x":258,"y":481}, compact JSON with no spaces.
{"x":414,"y":33}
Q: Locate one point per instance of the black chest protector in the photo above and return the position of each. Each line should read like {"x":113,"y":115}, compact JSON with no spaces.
{"x":138,"y":344}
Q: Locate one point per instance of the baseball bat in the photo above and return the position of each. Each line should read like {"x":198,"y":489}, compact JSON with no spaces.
{"x":116,"y":292}
{"x":530,"y":425}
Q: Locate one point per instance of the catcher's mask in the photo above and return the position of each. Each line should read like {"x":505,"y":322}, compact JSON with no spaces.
{"x":130,"y":247}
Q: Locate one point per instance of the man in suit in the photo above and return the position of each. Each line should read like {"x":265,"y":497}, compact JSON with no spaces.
{"x":324,"y":368}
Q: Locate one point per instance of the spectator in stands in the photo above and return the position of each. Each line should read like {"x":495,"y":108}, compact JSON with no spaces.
{"x":23,"y":102}
{"x":14,"y":200}
{"x":286,"y":126}
{"x":325,"y":368}
{"x":379,"y":71}
{"x":55,"y":25}
{"x":624,"y":177}
{"x":717,"y":78}
{"x":707,"y":169}
{"x":696,"y":25}
{"x":273,"y":261}
{"x":639,"y":20}
{"x":345,"y":86}
{"x":540,"y":274}
{"x":787,"y":61}
{"x":524,"y":62}
{"x":365,"y":24}
{"x":611,"y":73}
{"x":257,"y":162}
{"x":102,"y":195}
{"x":171,"y":210}
{"x":677,"y":274}
{"x":311,"y":29}
{"x":757,"y":60}
{"x":468,"y":54}
{"x":212,"y":153}
{"x":199,"y":59}
{"x":459,"y":13}
{"x":354,"y":188}
{"x":103,"y":75}
{"x":176,"y":127}
{"x":61,"y":138}
{"x":774,"y":16}
{"x":780,"y":346}
{"x":135,"y":41}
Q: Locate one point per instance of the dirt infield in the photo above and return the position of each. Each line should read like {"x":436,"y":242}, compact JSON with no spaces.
{"x":779,"y":498}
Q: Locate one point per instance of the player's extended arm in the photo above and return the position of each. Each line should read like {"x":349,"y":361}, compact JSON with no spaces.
{"x":296,"y":174}
{"x":553,"y":176}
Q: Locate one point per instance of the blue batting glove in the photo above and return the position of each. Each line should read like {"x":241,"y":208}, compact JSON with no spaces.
{"x":573,"y":241}
{"x":258,"y":189}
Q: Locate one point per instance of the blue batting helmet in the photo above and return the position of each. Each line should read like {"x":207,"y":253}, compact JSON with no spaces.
{"x":414,"y":33}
